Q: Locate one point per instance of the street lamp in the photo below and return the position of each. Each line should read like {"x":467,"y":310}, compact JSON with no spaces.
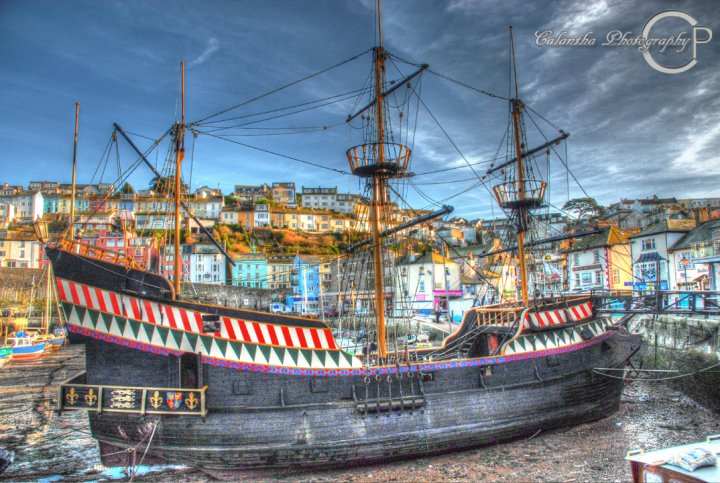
{"x":41,"y":230}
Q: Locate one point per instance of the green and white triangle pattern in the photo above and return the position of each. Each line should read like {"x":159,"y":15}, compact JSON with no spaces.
{"x":162,"y":336}
{"x":554,"y":339}
{"x":275,"y":356}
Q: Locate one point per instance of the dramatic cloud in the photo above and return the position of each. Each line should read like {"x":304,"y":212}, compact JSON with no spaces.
{"x":634,"y":131}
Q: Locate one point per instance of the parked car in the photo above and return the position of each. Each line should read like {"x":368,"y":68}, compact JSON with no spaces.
{"x":278,"y":308}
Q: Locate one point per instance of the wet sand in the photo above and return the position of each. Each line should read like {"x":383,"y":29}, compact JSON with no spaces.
{"x":49,"y":447}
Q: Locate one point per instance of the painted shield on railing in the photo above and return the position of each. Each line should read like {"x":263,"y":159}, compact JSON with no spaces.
{"x":173,"y":399}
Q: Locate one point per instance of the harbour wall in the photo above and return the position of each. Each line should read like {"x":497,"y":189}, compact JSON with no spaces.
{"x":688,"y":345}
{"x":16,"y":287}
{"x":229,"y":295}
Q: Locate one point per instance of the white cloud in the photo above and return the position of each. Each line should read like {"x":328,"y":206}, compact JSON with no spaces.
{"x":212,"y":47}
{"x":691,"y":158}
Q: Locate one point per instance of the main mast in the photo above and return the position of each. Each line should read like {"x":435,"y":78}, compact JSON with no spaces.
{"x":379,"y":161}
{"x":179,"y":155}
{"x":520,"y":195}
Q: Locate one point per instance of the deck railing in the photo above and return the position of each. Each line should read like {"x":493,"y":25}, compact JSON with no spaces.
{"x":74,"y":395}
{"x":500,"y":315}
{"x":111,"y":256}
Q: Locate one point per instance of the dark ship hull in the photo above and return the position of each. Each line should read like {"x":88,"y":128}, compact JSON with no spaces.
{"x":326,"y":409}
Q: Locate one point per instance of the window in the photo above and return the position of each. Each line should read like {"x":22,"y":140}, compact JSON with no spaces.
{"x":616,"y":275}
{"x":598,"y":278}
{"x":596,"y":256}
{"x":421,"y":286}
{"x":648,"y":244}
{"x":576,"y":259}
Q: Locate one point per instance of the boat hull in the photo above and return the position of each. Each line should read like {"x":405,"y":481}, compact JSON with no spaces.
{"x":256,"y":432}
{"x":56,"y":343}
{"x":281,"y":395}
{"x":29,"y":353}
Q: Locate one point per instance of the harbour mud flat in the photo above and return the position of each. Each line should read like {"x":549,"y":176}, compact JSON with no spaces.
{"x":49,"y":447}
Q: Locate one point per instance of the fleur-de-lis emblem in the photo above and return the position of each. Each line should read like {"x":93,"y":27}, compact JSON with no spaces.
{"x":156,"y":401}
{"x":191,"y":402}
{"x":90,"y":398}
{"x":71,"y":397}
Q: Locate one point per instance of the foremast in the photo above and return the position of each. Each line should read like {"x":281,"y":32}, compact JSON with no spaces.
{"x":379,"y":161}
{"x":521,"y":194}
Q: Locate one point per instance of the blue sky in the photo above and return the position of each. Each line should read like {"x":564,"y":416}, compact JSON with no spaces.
{"x":634,"y":131}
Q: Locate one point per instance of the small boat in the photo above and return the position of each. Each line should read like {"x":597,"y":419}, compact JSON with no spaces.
{"x":24,"y":348}
{"x":54,"y":342}
{"x":5,"y":356}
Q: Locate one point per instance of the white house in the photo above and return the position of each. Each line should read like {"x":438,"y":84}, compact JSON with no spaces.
{"x":650,"y":253}
{"x":20,"y":250}
{"x":425,"y":282}
{"x":207,"y":264}
{"x":694,"y":258}
{"x":601,"y":262}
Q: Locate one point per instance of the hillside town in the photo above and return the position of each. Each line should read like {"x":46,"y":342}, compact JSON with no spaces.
{"x":288,"y":243}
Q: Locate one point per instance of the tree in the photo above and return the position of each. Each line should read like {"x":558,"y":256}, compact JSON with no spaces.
{"x":127,"y":189}
{"x":584,"y":208}
{"x":166,"y":184}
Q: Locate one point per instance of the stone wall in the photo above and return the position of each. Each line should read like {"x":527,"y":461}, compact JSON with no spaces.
{"x":675,"y":332}
{"x":230,"y":296}
{"x":688,"y":346}
{"x":16,"y":286}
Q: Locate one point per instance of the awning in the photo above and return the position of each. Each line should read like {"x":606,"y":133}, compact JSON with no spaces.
{"x":649,"y":257}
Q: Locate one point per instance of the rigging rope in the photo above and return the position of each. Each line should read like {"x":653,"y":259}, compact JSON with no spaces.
{"x":292,"y":158}
{"x":273,"y":91}
{"x":489,"y":94}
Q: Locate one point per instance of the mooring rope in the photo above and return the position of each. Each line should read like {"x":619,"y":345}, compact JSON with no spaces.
{"x":137,"y":467}
{"x":599,"y":370}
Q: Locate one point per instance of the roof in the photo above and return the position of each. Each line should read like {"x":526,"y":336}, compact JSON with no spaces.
{"x":609,"y":236}
{"x":702,"y":233}
{"x":17,"y":235}
{"x":667,"y":226}
{"x":250,"y":257}
{"x":425,"y":258}
{"x":649,"y":257}
{"x":658,"y":201}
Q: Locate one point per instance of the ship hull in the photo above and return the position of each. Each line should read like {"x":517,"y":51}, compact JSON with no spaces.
{"x":309,"y":405}
{"x":259,"y":433}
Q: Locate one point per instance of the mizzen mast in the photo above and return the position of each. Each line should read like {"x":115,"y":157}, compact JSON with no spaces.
{"x":520,"y":195}
{"x":379,"y":161}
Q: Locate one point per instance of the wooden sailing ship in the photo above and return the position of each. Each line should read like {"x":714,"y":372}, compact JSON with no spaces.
{"x":228,"y":389}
